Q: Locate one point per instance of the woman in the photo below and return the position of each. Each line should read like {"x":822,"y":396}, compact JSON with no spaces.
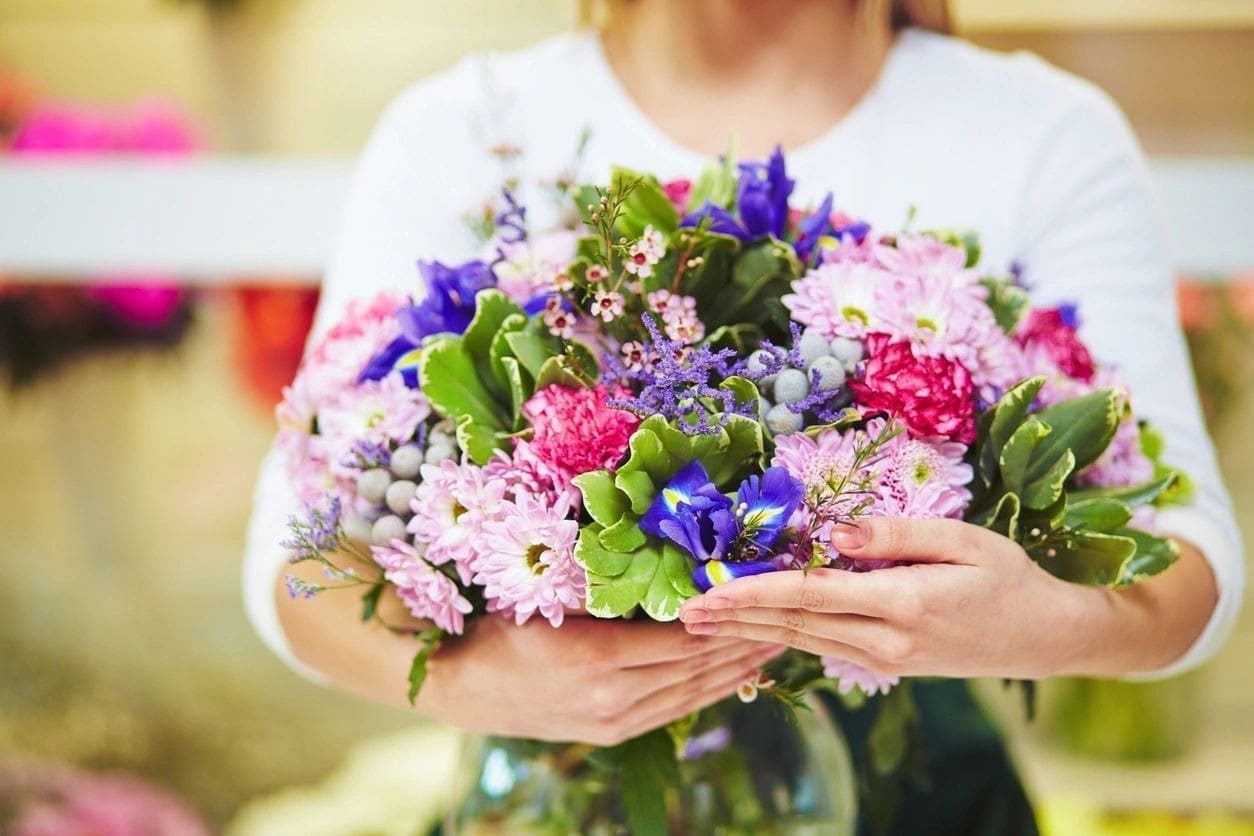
{"x":888,"y":116}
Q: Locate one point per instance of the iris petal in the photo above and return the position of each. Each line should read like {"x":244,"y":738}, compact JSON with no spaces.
{"x":712,"y":573}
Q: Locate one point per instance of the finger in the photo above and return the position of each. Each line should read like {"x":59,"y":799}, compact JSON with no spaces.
{"x":686,"y":698}
{"x":816,"y":590}
{"x":656,"y":678}
{"x":902,"y":538}
{"x":775,"y":634}
{"x":856,"y":630}
{"x":631,"y":644}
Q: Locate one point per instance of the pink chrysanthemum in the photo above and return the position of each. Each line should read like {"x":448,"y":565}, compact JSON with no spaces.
{"x":575,"y":431}
{"x":850,"y":675}
{"x":383,"y":412}
{"x":425,"y":591}
{"x":525,"y":472}
{"x":840,"y":298}
{"x":527,"y":562}
{"x":452,"y":504}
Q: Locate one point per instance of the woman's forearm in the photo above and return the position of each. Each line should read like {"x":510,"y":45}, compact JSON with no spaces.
{"x":365,"y":658}
{"x":1145,"y":627}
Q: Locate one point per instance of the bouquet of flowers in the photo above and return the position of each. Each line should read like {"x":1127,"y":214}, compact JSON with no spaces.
{"x":696,"y":387}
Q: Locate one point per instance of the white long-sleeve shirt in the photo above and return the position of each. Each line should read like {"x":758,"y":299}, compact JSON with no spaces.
{"x":1041,"y":164}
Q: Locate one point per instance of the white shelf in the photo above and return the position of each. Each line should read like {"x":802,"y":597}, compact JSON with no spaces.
{"x":225,"y":218}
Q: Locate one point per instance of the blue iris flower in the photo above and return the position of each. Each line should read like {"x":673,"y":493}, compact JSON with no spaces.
{"x":816,"y":225}
{"x":721,"y":221}
{"x":730,"y":539}
{"x":447,"y":308}
{"x":762,"y":196}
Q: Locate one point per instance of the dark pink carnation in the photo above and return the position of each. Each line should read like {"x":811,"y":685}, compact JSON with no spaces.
{"x":574,"y":431}
{"x":1053,"y":331}
{"x":932,"y":396}
{"x":678,"y":192}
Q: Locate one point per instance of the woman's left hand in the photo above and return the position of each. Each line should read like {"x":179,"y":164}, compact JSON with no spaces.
{"x":970,"y":603}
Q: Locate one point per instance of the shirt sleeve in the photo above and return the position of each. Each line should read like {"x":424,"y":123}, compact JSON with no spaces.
{"x":405,"y":202}
{"x":1092,"y":234}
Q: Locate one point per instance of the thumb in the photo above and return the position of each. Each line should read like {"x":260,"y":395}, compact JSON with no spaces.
{"x":905,"y":538}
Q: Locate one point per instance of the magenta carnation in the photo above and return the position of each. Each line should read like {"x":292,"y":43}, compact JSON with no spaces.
{"x":932,"y":396}
{"x":1053,"y":332}
{"x":574,"y":431}
{"x":425,"y":591}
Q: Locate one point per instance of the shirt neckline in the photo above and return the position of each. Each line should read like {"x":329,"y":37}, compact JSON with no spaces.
{"x":628,"y":111}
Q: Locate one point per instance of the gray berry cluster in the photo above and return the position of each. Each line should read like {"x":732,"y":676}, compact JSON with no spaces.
{"x":390,"y":490}
{"x":825,"y":367}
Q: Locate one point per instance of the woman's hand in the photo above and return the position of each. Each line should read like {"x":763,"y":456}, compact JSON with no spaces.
{"x":591,"y":680}
{"x":971,"y":604}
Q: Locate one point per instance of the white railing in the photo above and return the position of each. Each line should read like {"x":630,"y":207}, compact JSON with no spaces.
{"x":220,"y":219}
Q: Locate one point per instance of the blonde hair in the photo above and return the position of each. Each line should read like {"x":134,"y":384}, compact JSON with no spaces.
{"x":932,"y":15}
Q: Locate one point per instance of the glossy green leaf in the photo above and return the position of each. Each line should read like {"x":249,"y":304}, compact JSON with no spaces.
{"x":1044,"y":481}
{"x":595,"y":558}
{"x":478,"y":440}
{"x":1084,"y":425}
{"x":647,"y":769}
{"x":1133,"y":497}
{"x":638,"y":487}
{"x":624,"y":535}
{"x":1003,"y":517}
{"x":451,"y":382}
{"x":1019,"y":450}
{"x":1006,"y":417}
{"x":1153,"y":555}
{"x":646,"y":204}
{"x":679,"y":566}
{"x":1098,"y":514}
{"x":1089,"y":558}
{"x":604,"y":502}
{"x":616,"y":596}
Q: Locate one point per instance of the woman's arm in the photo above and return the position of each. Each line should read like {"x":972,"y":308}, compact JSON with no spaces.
{"x":973,"y":604}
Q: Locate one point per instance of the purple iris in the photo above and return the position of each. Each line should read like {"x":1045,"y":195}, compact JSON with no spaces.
{"x":730,"y":539}
{"x":447,"y":308}
{"x":1069,"y":315}
{"x":813,"y":227}
{"x":761,"y":202}
{"x":762,"y":196}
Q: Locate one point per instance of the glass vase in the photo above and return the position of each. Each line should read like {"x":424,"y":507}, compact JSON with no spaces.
{"x":745,"y":768}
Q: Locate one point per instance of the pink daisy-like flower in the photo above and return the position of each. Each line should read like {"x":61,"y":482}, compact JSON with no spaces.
{"x":451,"y":505}
{"x":596,"y":273}
{"x":382,"y":411}
{"x":851,"y":675}
{"x":661,"y":301}
{"x":530,"y":268}
{"x":607,"y":304}
{"x":840,"y":299}
{"x":926,"y":479}
{"x":426,"y":592}
{"x":634,"y":355}
{"x":559,"y":321}
{"x":527,"y":565}
{"x":574,"y":431}
{"x":644,"y":253}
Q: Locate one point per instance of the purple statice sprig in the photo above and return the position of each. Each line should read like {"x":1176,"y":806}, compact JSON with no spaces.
{"x":511,"y":222}
{"x":315,"y":533}
{"x":679,"y":382}
{"x":366,"y":455}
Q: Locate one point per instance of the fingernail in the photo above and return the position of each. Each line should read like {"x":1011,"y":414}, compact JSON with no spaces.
{"x":694,"y":615}
{"x":704,"y":628}
{"x":849,"y":536}
{"x":715,"y":602}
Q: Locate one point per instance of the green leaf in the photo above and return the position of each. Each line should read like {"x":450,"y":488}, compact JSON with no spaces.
{"x":517,"y":389}
{"x":742,"y":389}
{"x":1133,"y":497}
{"x":648,"y":456}
{"x":1007,"y":301}
{"x":624,"y":536}
{"x":616,"y":596}
{"x":499,"y":349}
{"x":595,"y":558}
{"x":1003,"y":517}
{"x":451,"y":382}
{"x":1089,"y":558}
{"x":739,"y":446}
{"x":1006,"y":417}
{"x":370,"y":602}
{"x":716,"y":184}
{"x":604,"y":502}
{"x":1098,"y":514}
{"x":1084,"y":425}
{"x":1153,"y":555}
{"x":492,"y":309}
{"x":889,"y":740}
{"x":1019,"y":450}
{"x":1045,"y":479}
{"x":558,"y":370}
{"x":431,"y":640}
{"x":647,"y":769}
{"x":532,"y":350}
{"x":761,"y":271}
{"x":646,"y":204}
{"x":479,"y":441}
{"x":638,"y":487}
{"x":679,"y":567}
{"x":663,"y":598}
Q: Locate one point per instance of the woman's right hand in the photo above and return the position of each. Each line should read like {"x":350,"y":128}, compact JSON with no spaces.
{"x":591,"y":680}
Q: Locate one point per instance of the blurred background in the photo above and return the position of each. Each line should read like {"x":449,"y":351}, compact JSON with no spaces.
{"x":132,"y":420}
